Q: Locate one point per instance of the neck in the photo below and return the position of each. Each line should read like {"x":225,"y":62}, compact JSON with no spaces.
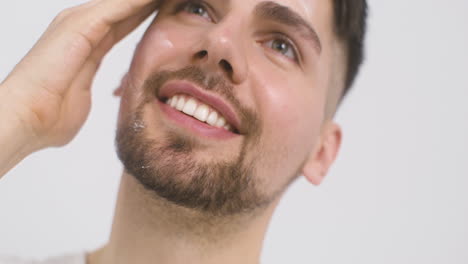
{"x":147,"y":229}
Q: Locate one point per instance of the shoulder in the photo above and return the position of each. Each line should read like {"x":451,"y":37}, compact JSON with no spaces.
{"x":79,"y":258}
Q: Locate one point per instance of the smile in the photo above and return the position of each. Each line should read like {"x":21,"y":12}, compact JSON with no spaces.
{"x":204,"y":113}
{"x":197,"y":110}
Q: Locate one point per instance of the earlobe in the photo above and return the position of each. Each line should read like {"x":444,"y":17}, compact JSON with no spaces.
{"x":313,"y":173}
{"x":118,"y":92}
{"x":324,"y":154}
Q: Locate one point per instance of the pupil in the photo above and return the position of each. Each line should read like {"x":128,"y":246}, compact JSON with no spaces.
{"x":281,"y":46}
{"x":197,"y":10}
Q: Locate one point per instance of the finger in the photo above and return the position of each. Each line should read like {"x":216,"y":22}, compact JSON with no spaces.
{"x":72,"y":38}
{"x":118,"y":10}
{"x":99,"y":19}
{"x":84,"y":79}
{"x":90,"y":67}
{"x":118,"y":32}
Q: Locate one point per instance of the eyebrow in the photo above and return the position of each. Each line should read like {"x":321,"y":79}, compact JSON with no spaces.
{"x":283,"y":15}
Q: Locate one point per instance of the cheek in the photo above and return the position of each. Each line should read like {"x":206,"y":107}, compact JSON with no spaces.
{"x":292,"y":115}
{"x":160,"y":45}
{"x":293,"y":119}
{"x":291,"y":126}
{"x":156,"y":49}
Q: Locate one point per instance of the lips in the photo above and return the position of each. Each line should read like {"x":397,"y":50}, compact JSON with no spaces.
{"x":206,"y":108}
{"x":198,"y":110}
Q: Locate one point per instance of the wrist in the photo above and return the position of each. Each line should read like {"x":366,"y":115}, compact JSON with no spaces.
{"x":16,"y":137}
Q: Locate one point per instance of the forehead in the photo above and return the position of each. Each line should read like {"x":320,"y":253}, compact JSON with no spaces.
{"x":318,"y":13}
{"x":305,"y":8}
{"x":308,"y":9}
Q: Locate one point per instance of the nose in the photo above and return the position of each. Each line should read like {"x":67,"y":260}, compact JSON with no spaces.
{"x":221,"y":49}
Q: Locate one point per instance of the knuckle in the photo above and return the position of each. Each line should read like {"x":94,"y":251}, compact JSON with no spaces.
{"x":64,"y":14}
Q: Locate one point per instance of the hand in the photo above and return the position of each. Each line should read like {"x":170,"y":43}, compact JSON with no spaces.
{"x":49,"y":90}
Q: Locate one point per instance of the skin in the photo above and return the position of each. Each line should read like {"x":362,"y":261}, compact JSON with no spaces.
{"x":47,"y":98}
{"x":295,"y":103}
{"x":281,"y":92}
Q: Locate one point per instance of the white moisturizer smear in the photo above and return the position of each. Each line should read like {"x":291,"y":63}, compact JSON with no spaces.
{"x":138,"y":126}
{"x":162,"y":41}
{"x":306,"y":6}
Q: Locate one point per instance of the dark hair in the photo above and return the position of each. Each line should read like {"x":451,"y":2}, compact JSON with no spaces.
{"x":350,"y":27}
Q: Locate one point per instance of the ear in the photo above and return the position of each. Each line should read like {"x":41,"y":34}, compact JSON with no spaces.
{"x":324,"y":154}
{"x":119,"y":90}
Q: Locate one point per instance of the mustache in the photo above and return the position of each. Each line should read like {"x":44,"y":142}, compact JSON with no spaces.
{"x":215,"y":83}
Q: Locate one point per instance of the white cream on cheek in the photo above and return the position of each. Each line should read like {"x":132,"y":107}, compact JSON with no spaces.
{"x":223,"y":40}
{"x":161,"y":41}
{"x":153,"y":50}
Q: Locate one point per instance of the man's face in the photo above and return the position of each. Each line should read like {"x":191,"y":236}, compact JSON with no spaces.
{"x":225,"y":101}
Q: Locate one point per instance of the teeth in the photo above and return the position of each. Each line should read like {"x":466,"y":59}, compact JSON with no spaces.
{"x":180,"y":103}
{"x":202,"y":112}
{"x":173,"y":101}
{"x":190,"y":107}
{"x":212,"y":118}
{"x":221,"y":122}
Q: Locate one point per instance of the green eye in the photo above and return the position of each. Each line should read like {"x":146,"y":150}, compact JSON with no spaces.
{"x":283,"y":47}
{"x":280,"y":46}
{"x":196,"y":9}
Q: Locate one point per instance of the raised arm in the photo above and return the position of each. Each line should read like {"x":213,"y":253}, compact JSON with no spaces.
{"x":46,"y":99}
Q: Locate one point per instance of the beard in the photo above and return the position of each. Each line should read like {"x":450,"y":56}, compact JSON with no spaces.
{"x":167,"y":166}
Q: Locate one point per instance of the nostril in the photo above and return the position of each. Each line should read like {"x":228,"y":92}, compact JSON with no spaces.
{"x":201,"y":54}
{"x":226,"y":66}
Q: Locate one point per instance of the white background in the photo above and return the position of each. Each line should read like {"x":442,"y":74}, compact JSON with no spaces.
{"x":397,"y":194}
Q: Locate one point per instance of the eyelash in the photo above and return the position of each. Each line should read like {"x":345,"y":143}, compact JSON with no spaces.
{"x":183,"y":7}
